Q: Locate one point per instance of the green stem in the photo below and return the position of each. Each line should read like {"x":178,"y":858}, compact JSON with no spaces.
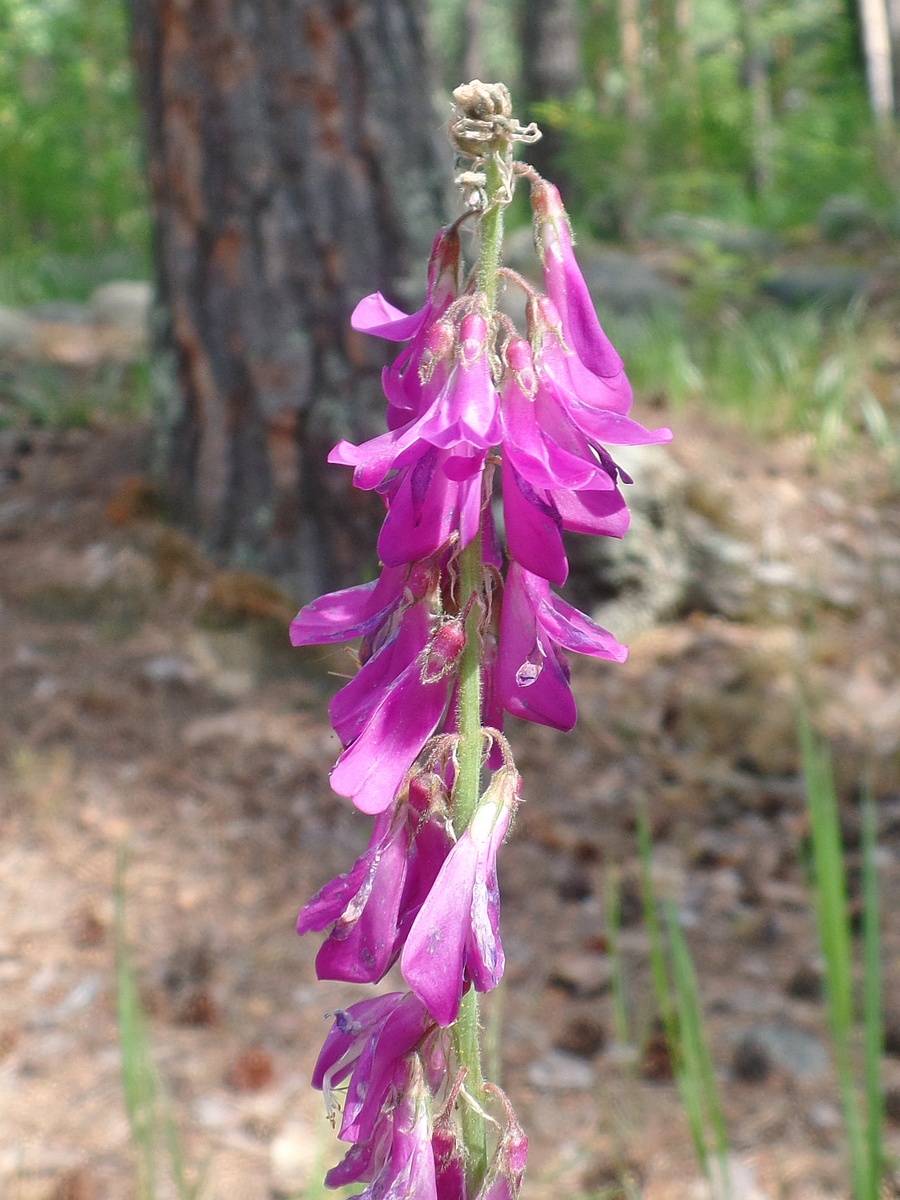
{"x":467,"y":789}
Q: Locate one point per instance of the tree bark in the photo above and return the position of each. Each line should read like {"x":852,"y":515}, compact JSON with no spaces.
{"x":295,"y":165}
{"x":551,"y":70}
{"x":756,"y":81}
{"x":876,"y":36}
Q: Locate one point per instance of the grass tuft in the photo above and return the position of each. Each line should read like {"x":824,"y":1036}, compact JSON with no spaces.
{"x":863,"y":1106}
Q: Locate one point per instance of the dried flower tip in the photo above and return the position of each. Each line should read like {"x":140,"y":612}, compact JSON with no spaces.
{"x":483,"y":121}
{"x":482,"y":101}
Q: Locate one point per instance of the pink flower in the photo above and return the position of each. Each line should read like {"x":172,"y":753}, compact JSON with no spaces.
{"x":366,"y":1045}
{"x":456,"y":405}
{"x":397,"y":1159}
{"x":392,"y":706}
{"x":371,"y":907}
{"x":532,"y":674}
{"x":434,"y":502}
{"x":455,"y":939}
{"x":503,"y":1179}
{"x":597,"y":370}
{"x":377,"y":316}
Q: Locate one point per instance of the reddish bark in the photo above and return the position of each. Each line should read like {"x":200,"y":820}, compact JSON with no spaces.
{"x":294,"y":161}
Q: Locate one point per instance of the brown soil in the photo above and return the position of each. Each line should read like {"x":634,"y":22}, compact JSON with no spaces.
{"x":150,"y":702}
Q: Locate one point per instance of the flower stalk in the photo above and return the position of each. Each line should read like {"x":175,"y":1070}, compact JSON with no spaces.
{"x":459,"y":629}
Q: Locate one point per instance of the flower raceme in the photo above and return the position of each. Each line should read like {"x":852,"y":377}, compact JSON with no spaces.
{"x":460,"y":628}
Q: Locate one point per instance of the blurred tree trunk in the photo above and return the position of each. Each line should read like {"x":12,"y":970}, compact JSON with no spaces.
{"x":631,"y":38}
{"x":756,"y":81}
{"x":472,"y":55}
{"x":293,"y":167}
{"x":876,"y":37}
{"x":551,"y":70}
{"x":894,"y":23}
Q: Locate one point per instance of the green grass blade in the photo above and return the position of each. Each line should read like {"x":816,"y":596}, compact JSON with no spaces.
{"x":830,"y":903}
{"x":873,"y":1015}
{"x":138,"y":1079}
{"x":613,"y":907}
{"x":659,"y":970}
{"x":698,"y":1063}
{"x":679,"y":1007}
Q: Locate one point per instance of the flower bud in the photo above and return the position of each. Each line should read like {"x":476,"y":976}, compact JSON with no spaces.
{"x":473,"y":338}
{"x":440,"y":339}
{"x":443,"y":654}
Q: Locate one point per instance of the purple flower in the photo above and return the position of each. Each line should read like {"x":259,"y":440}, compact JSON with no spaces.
{"x":588,"y":402}
{"x":532,"y":674}
{"x":396,"y":1159}
{"x":371,"y":907}
{"x":456,"y":938}
{"x":455,"y":407}
{"x":596,"y":369}
{"x":377,"y":316}
{"x":392,"y":706}
{"x":535,"y":519}
{"x":368,"y":610}
{"x":503,"y":1179}
{"x":449,"y":1161}
{"x":554,"y":477}
{"x":433,"y":502}
{"x":366,"y":1045}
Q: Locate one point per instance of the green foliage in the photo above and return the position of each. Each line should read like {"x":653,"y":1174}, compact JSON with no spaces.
{"x":681,"y":1013}
{"x":776,"y":370}
{"x":70,"y":171}
{"x":684,"y":131}
{"x":863,"y":1107}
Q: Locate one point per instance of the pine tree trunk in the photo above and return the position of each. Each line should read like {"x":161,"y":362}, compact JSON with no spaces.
{"x":295,"y":165}
{"x":551,"y":70}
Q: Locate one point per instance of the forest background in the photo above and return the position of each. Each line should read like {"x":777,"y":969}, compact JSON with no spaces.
{"x":745,"y":136}
{"x":732,"y":170}
{"x":749,"y":111}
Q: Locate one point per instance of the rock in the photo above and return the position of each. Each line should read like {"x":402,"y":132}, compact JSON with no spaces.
{"x":125,"y":304}
{"x":825,"y":1117}
{"x":751,"y":1062}
{"x":849,"y":220}
{"x":561,"y":1072}
{"x":800,"y":1053}
{"x":735,"y":1179}
{"x":805,"y":983}
{"x":169,"y":669}
{"x":61,"y":312}
{"x":582,"y":975}
{"x":642,"y":578}
{"x":582,"y":1036}
{"x":621,"y":283}
{"x":827,"y":287}
{"x":17,"y":334}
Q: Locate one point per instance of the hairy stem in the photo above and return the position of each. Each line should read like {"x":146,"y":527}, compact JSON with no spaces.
{"x":466,"y":1039}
